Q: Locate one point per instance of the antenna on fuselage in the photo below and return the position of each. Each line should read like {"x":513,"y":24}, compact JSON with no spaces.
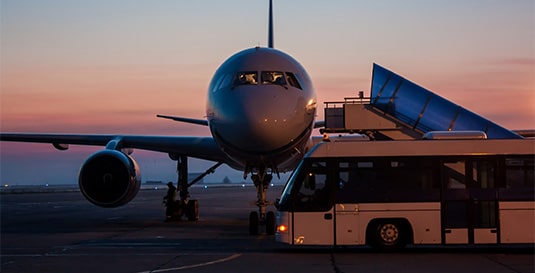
{"x":270,"y":26}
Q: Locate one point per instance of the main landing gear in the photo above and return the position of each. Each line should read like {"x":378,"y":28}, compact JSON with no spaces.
{"x":261,"y":218}
{"x":261,"y":179}
{"x":188,"y":207}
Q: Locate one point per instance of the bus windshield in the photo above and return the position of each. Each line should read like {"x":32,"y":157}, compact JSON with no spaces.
{"x":287,"y":191}
{"x":308,"y":188}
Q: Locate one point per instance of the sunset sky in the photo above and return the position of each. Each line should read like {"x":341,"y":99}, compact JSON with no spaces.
{"x":106,"y":66}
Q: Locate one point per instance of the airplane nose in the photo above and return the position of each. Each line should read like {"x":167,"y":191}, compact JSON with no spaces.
{"x":264,"y":121}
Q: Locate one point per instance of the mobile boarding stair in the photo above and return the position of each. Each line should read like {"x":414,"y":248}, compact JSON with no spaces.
{"x":399,"y":109}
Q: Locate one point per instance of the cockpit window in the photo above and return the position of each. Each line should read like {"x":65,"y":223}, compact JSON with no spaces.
{"x":247,"y":77}
{"x":266,"y":77}
{"x":292,"y":80}
{"x":273,"y":77}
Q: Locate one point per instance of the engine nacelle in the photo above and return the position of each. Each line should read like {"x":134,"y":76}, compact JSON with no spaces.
{"x":109,"y":178}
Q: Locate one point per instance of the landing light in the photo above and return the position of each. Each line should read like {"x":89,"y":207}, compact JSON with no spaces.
{"x":311,"y":104}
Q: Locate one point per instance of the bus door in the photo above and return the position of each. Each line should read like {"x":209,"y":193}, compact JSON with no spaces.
{"x":469,"y":205}
{"x":484,"y":201}
{"x":313,"y":216}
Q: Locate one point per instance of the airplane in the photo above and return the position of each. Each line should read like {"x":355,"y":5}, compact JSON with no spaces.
{"x":261,"y":109}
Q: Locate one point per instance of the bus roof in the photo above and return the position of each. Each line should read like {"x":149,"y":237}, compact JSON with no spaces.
{"x":424,"y":148}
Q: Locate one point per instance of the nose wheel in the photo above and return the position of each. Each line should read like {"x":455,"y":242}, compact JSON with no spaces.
{"x":262,"y":219}
{"x":255,"y":222}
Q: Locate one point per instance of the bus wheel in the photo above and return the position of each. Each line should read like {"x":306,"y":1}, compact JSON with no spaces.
{"x":253,"y":223}
{"x":270,"y":223}
{"x":389,"y":234}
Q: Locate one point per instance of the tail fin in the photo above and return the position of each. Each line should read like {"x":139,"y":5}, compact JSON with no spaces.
{"x":270,"y":26}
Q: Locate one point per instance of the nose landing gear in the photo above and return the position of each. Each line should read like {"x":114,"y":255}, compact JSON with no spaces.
{"x":261,"y":179}
{"x":262,"y":218}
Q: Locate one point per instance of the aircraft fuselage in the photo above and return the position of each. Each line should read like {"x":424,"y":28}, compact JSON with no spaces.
{"x":261,"y":109}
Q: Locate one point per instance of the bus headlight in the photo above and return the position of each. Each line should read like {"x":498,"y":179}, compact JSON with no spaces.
{"x":282,"y":228}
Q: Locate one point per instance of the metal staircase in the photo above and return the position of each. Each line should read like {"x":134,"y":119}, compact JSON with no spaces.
{"x":400,"y":109}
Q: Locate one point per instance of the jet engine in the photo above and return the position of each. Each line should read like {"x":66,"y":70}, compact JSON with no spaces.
{"x":109,"y":178}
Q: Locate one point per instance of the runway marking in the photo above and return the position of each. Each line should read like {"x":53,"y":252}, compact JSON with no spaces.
{"x":232,"y":257}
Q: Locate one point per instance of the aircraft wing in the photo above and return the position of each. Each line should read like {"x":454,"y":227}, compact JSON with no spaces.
{"x":186,"y":120}
{"x":198,"y":147}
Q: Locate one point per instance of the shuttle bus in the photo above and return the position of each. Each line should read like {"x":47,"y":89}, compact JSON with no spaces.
{"x":388,"y":194}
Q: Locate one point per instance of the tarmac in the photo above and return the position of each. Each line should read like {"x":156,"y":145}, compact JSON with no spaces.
{"x":60,"y":231}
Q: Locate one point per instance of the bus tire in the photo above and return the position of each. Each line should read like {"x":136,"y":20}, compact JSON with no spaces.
{"x":388,"y":234}
{"x":253,"y":223}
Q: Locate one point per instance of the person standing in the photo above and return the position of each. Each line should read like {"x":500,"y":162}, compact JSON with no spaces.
{"x":170,"y":202}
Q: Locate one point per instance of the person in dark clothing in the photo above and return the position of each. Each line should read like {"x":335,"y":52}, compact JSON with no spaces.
{"x":170,"y":202}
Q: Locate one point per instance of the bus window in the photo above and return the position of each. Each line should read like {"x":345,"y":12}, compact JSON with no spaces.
{"x":343,"y":174}
{"x":408,"y":179}
{"x":355,"y":181}
{"x":397,"y":180}
{"x":454,"y":175}
{"x":483,"y":173}
{"x":519,"y":179}
{"x":519,"y":172}
{"x":514,"y":178}
{"x":350,"y":173}
{"x":314,"y":193}
{"x":410,"y":174}
{"x":366,"y":164}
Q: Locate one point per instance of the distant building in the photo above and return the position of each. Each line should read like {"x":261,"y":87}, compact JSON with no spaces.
{"x":191,"y":177}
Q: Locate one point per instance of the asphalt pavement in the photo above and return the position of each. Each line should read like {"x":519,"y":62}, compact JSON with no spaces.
{"x":59,"y":231}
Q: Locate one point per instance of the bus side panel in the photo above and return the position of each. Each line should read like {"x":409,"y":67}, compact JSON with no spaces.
{"x":517,"y":222}
{"x":284,"y":235}
{"x":424,"y":218}
{"x":348,"y":231}
{"x":313,"y":228}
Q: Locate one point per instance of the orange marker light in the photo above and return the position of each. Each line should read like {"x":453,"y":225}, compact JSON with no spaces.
{"x":282,"y":228}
